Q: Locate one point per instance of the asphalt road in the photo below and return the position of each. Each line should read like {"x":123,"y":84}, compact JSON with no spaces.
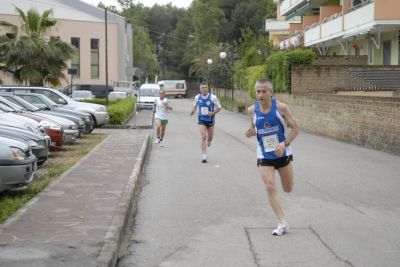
{"x":344,"y":210}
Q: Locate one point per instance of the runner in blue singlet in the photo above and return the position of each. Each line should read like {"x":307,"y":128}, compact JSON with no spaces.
{"x":209,"y":105}
{"x":269,"y":118}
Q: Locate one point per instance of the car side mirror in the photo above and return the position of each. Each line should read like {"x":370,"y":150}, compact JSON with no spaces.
{"x":62,"y":101}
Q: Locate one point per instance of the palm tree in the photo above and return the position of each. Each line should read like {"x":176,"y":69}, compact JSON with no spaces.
{"x":31,"y":56}
{"x":199,"y":65}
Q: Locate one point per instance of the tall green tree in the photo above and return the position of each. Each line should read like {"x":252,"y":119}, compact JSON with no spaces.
{"x":240,"y":14}
{"x":29,"y":54}
{"x":207,"y":21}
{"x":144,"y":50}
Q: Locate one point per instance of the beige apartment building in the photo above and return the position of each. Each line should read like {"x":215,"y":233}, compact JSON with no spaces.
{"x":345,"y":27}
{"x":83,"y":26}
{"x":278,"y":28}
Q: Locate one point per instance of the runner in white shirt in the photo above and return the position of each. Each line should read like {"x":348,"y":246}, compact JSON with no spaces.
{"x":161,"y":105}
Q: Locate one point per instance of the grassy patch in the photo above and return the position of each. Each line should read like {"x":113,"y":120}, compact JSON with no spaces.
{"x":58,"y":162}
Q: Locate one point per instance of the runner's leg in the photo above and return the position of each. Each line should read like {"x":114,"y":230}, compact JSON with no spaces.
{"x":286,"y":174}
{"x":162,"y":130}
{"x":268,"y":176}
{"x":157,"y":122}
{"x":203,"y":134}
{"x":210,"y":134}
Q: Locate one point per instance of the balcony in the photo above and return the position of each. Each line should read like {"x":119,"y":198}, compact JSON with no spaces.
{"x":294,"y":41}
{"x":356,"y":22}
{"x":276,"y":26}
{"x":289,"y":6}
{"x":359,"y":19}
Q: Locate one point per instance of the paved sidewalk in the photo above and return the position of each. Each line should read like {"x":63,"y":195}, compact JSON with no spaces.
{"x":78,"y":219}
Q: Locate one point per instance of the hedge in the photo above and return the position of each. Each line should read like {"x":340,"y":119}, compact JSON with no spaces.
{"x":118,"y":109}
{"x":278,"y":66}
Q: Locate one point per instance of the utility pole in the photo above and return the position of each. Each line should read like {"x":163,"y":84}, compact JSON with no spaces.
{"x":105,"y":17}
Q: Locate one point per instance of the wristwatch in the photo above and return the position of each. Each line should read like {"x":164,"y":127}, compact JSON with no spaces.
{"x":287,"y":143}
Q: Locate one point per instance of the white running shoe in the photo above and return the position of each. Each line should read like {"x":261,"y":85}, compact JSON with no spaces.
{"x":204,"y":159}
{"x":283,"y":228}
{"x":157,"y":141}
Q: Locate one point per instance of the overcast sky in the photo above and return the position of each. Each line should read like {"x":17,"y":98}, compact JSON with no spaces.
{"x":149,"y":3}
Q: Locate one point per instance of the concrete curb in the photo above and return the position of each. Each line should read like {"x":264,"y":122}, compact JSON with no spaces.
{"x":108,"y":255}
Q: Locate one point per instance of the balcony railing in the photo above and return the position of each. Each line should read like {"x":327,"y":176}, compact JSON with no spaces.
{"x":332,"y":27}
{"x":294,"y":41}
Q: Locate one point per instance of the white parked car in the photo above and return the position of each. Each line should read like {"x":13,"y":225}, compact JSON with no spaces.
{"x":148,"y":93}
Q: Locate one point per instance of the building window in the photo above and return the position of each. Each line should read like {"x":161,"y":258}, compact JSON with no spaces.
{"x":94,"y":58}
{"x":76,"y":57}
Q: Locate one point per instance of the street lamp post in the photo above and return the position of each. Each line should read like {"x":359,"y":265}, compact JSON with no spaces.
{"x":222,"y":56}
{"x":209,"y":62}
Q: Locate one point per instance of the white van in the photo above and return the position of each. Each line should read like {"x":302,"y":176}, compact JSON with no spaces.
{"x":148,"y":93}
{"x":125,"y":86}
{"x":175,"y":88}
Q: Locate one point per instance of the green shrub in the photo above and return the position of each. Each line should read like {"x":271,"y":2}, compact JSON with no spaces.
{"x":101,"y":101}
{"x":252,"y":74}
{"x":278,"y":66}
{"x":232,"y":105}
{"x":120,"y":110}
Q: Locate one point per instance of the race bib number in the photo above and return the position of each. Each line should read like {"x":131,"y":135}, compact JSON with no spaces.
{"x":204,"y":111}
{"x":270,"y":142}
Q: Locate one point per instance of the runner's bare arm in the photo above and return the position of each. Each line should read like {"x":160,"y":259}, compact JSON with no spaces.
{"x":212,"y":113}
{"x":291,"y":122}
{"x":249,"y":132}
{"x":194,"y":107}
{"x":168,"y":106}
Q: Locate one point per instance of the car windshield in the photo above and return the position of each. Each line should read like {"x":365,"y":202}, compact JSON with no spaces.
{"x":45,"y":100}
{"x":22,"y":103}
{"x":6,"y":108}
{"x":149,"y":92}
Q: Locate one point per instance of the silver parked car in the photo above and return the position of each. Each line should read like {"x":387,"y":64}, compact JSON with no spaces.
{"x":45,"y":103}
{"x":98,"y":112}
{"x":26,"y":107}
{"x":17,"y":164}
{"x":71,"y":131}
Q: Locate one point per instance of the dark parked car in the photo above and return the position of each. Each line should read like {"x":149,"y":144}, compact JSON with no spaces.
{"x":98,"y":90}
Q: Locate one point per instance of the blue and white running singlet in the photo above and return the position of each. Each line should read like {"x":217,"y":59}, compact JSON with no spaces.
{"x":270,"y":128}
{"x":205,"y":105}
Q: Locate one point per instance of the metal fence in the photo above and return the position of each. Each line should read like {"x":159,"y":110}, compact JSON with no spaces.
{"x":377,"y":79}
